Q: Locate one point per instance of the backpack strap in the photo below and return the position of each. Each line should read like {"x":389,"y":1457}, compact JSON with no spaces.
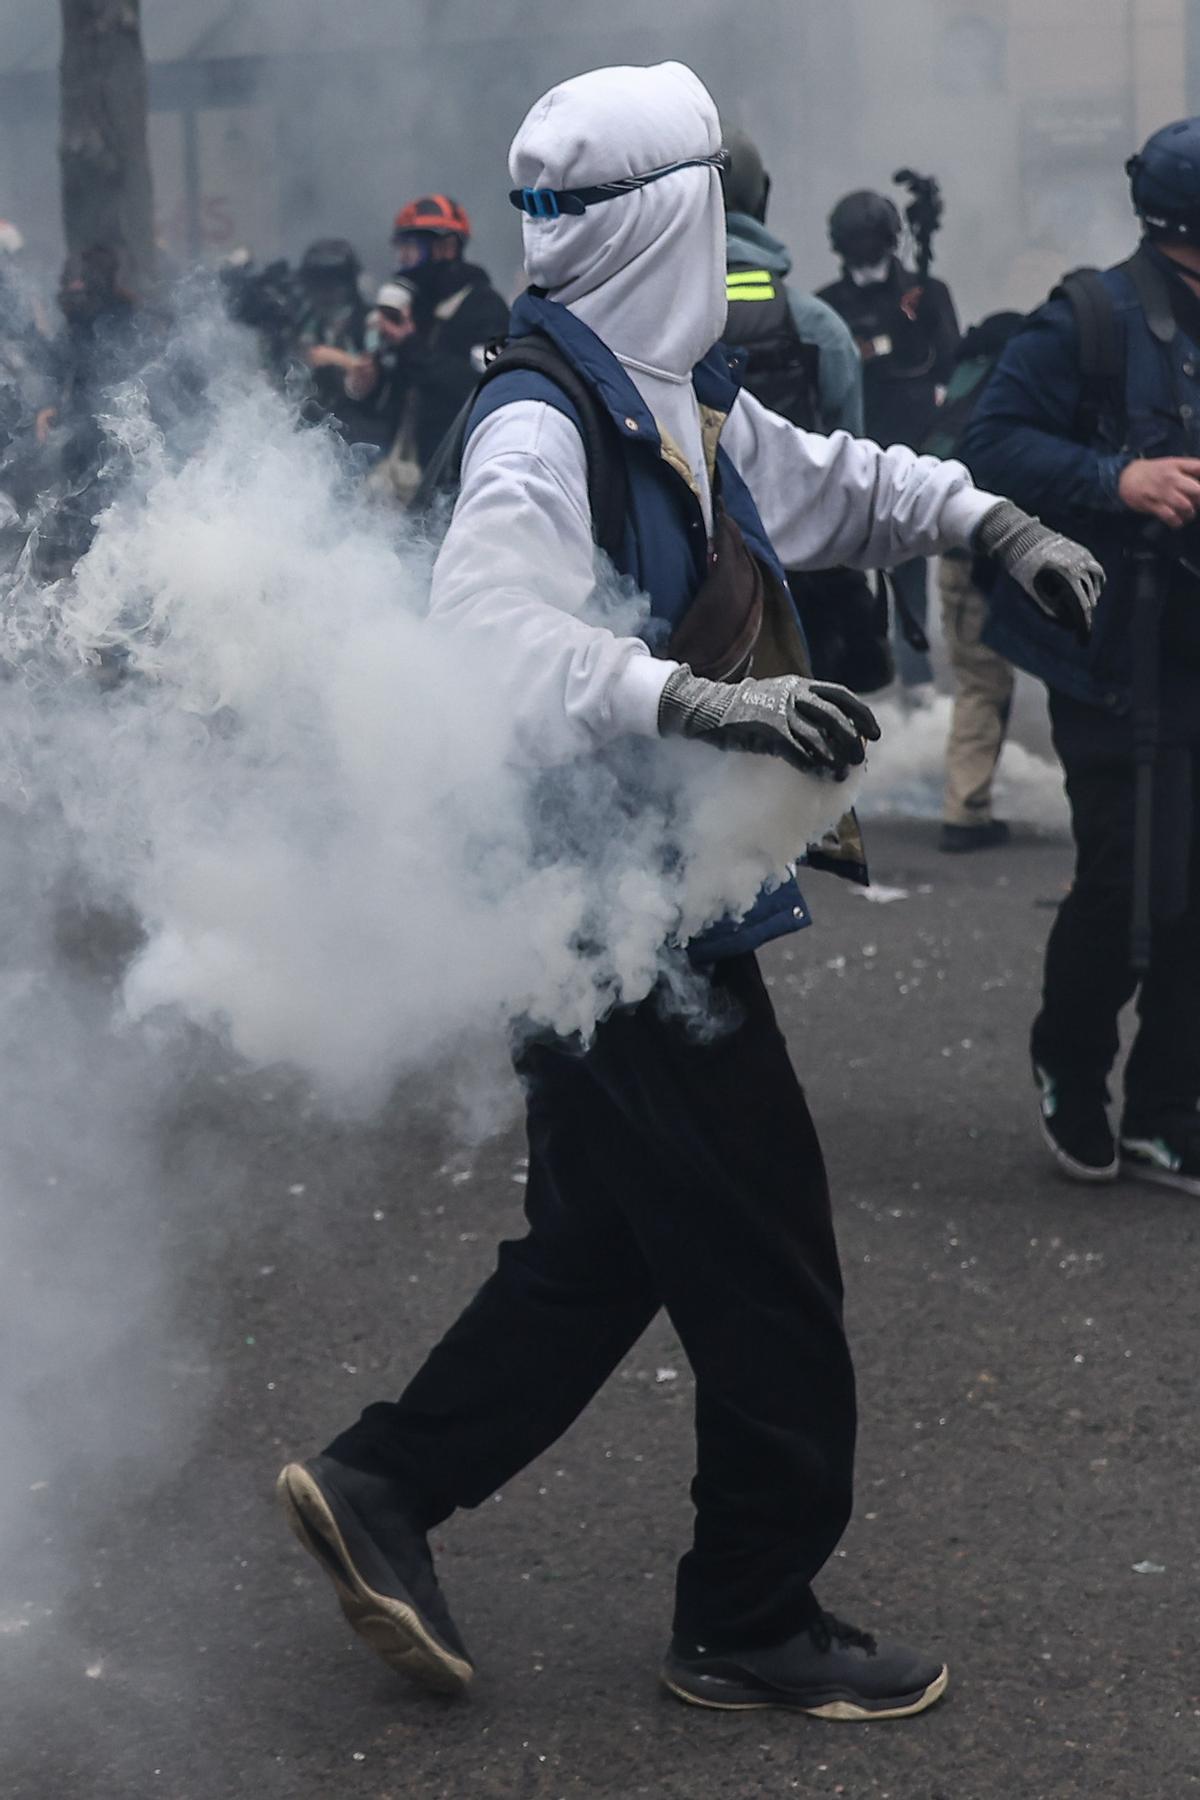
{"x":1101,"y":352}
{"x":1151,"y":288}
{"x":535,"y":354}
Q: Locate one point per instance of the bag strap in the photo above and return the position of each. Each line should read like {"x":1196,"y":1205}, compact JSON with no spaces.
{"x":1101,"y":353}
{"x":608,"y":488}
{"x":911,"y":628}
{"x":1151,"y":288}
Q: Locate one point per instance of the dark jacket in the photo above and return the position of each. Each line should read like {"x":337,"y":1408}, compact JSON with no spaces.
{"x":426,"y":380}
{"x":665,"y":553}
{"x":1026,"y":439}
{"x":920,"y":327}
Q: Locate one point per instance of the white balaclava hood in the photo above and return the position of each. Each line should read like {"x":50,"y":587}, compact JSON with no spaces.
{"x":646,"y":271}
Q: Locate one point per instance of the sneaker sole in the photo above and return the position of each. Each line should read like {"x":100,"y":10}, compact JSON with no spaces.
{"x":1136,"y":1170}
{"x":393,"y":1629}
{"x":724,"y":1696}
{"x":1078,"y":1171}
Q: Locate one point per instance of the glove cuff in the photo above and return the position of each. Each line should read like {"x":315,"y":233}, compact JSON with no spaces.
{"x":690,"y":704}
{"x":999,"y":527}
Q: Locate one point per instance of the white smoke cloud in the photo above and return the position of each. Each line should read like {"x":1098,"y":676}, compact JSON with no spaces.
{"x":308,"y":797}
{"x":907,"y":772}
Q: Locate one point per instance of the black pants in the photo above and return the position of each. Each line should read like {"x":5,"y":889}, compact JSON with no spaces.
{"x":663,"y":1171}
{"x":1088,"y":976}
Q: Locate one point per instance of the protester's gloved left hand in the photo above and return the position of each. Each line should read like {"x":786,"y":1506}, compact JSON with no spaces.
{"x":1063,"y":578}
{"x":817,"y":726}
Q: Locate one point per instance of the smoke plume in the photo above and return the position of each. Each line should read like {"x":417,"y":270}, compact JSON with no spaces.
{"x":309,"y":799}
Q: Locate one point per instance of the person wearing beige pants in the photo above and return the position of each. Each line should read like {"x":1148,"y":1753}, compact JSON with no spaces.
{"x":983,"y":684}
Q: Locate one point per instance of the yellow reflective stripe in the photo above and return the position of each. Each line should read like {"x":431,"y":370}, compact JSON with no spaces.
{"x":749,"y":284}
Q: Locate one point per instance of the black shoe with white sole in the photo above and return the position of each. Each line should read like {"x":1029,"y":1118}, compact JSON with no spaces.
{"x":1164,"y":1150}
{"x":380,"y":1567}
{"x":1076,"y":1128}
{"x":829,"y":1670}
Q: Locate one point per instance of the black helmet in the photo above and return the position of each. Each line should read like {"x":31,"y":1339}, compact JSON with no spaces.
{"x":744,"y":180}
{"x":329,"y":260}
{"x":864,"y":228}
{"x":1165,"y":180}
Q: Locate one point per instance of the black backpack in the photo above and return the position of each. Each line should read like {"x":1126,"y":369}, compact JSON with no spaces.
{"x":608,"y":490}
{"x":781,"y":369}
{"x":1101,"y":346}
{"x":978,"y":354}
{"x":845,"y":619}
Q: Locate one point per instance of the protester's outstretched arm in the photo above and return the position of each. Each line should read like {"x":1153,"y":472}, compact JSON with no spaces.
{"x":826,"y":501}
{"x":835,"y":500}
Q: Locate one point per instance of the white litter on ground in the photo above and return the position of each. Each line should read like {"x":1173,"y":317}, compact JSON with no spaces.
{"x":881,"y":894}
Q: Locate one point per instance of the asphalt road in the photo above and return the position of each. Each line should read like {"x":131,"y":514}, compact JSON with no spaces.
{"x":1027,"y":1360}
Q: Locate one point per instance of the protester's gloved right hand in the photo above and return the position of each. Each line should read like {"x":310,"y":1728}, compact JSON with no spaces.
{"x":1063,"y":578}
{"x":815,"y":725}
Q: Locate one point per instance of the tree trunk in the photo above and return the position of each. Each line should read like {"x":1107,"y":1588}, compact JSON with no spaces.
{"x":106,"y":190}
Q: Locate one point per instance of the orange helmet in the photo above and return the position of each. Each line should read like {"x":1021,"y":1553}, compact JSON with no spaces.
{"x":436,"y":213}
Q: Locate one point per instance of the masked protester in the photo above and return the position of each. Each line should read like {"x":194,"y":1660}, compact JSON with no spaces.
{"x":664,"y":1170}
{"x":431,"y":350}
{"x":1093,"y":417}
{"x":907,"y":334}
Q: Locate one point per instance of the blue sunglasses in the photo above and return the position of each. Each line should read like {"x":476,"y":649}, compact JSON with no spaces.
{"x":551,"y":203}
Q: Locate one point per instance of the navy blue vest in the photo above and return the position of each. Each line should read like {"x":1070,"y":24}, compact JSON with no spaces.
{"x":1161,"y":415}
{"x":666,"y":543}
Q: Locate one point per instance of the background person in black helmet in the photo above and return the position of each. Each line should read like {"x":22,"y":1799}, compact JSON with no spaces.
{"x":430,"y":357}
{"x":907,"y":334}
{"x":330,"y":333}
{"x":1092,"y":419}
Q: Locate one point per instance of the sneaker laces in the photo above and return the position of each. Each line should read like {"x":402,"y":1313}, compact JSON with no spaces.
{"x":827,"y":1630}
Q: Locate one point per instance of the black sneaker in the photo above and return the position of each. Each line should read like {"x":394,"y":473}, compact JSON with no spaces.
{"x":829,"y":1670}
{"x":1076,"y":1128}
{"x":384,"y":1576}
{"x":959,"y":838}
{"x":1166,"y":1150}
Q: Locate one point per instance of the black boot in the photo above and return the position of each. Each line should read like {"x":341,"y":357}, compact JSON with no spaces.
{"x":829,"y":1670}
{"x":381,"y":1569}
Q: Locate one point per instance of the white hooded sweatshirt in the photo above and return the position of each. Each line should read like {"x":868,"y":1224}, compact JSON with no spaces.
{"x":646,"y":272}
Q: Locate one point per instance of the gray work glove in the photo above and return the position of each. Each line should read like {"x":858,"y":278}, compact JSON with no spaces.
{"x":815,"y":725}
{"x":1060,"y":576}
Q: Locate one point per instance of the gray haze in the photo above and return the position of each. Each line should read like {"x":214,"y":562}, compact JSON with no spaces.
{"x":277,"y":120}
{"x":273,"y":124}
